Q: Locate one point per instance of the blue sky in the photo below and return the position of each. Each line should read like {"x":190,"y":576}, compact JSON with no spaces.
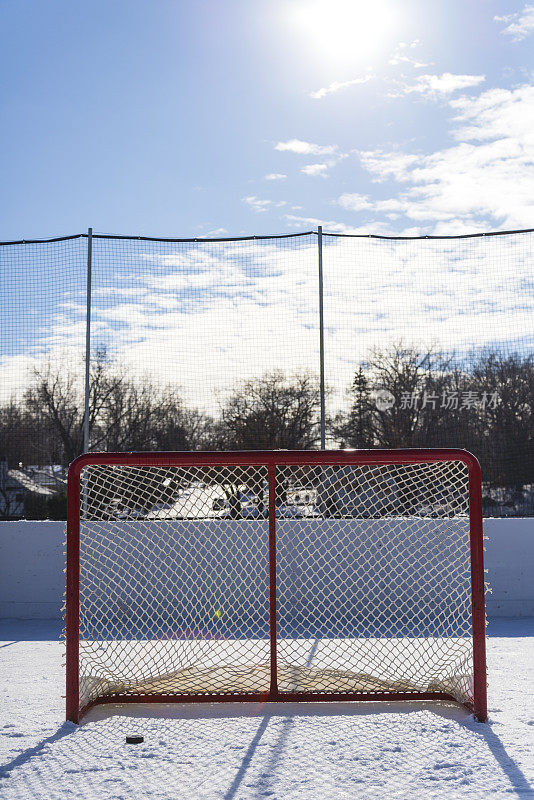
{"x":165,"y":118}
{"x":206,"y":119}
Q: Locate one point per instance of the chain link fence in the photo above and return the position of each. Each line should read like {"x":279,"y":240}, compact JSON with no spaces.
{"x":298,"y":341}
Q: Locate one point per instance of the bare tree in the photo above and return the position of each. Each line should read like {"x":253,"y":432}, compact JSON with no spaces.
{"x":24,"y":439}
{"x":271,"y":412}
{"x":136,"y":415}
{"x":506,"y":419}
{"x":417,"y":380}
{"x":267,"y":413}
{"x":124,"y":413}
{"x":482,"y":404}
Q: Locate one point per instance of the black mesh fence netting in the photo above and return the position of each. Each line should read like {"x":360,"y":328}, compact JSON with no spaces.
{"x":216,"y":344}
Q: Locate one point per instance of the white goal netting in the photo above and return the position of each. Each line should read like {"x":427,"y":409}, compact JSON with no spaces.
{"x":373,"y":581}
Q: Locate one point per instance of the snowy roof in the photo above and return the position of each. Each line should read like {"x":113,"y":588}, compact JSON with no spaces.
{"x":16,"y":476}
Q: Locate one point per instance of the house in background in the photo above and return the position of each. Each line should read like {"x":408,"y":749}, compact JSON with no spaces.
{"x":51,"y":476}
{"x":15,"y":487}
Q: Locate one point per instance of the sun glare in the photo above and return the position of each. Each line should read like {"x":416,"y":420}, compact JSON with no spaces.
{"x":343,"y":30}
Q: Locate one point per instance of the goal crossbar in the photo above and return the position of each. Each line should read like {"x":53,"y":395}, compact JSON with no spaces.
{"x":275,"y":576}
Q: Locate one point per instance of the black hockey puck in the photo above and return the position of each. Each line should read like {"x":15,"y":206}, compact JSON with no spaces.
{"x":135,"y":739}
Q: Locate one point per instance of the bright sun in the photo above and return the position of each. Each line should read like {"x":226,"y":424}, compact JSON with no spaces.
{"x":344,"y":31}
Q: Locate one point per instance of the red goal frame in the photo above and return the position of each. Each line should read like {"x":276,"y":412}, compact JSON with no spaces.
{"x":272,"y":460}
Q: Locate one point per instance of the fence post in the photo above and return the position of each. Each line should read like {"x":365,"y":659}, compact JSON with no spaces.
{"x":321,"y":334}
{"x":88,"y":340}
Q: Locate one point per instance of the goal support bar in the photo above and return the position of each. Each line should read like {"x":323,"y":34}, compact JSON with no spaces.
{"x":273,"y":462}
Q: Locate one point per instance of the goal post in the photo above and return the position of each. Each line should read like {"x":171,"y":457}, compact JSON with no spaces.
{"x":305,"y":575}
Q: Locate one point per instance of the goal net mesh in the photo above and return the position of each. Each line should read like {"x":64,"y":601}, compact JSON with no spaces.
{"x":373,"y":580}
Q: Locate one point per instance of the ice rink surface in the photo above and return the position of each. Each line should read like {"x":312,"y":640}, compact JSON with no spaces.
{"x":328,"y":751}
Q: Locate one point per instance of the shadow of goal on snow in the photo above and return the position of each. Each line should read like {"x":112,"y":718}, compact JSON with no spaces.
{"x":234,"y":751}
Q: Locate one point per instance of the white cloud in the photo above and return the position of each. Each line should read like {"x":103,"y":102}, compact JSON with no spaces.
{"x":205,"y":311}
{"x":498,"y":114}
{"x":307,"y":148}
{"x":315,"y":169}
{"x":335,"y":86}
{"x":334,"y":226}
{"x":410,"y":45}
{"x":395,"y":60}
{"x":331,"y":153}
{"x":401,"y":56}
{"x":518,"y":25}
{"x":312,"y":222}
{"x":485,"y":179}
{"x":437,"y":85}
{"x":275,"y":176}
{"x":361,"y":202}
{"x":259,"y":205}
{"x":383,"y":165}
{"x":354,"y":202}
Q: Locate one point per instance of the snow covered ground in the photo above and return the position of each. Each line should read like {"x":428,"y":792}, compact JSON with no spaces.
{"x":331,"y":751}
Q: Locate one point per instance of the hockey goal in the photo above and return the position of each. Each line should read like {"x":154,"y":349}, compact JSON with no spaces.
{"x":275,"y":576}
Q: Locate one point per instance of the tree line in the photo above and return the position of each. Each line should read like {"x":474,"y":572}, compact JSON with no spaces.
{"x":399,"y":397}
{"x":126,"y":413}
{"x":485,"y":407}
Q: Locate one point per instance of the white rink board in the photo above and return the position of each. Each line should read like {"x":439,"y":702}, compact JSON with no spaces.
{"x":32,"y":578}
{"x":403,"y":570}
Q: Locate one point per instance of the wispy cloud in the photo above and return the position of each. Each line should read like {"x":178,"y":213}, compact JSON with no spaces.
{"x":333,"y":226}
{"x":330,"y":152}
{"x":433,"y":86}
{"x":361,"y":202}
{"x":354,"y":201}
{"x":275,"y":176}
{"x":486,"y":179}
{"x":306,"y":148}
{"x":260,"y":205}
{"x":335,"y":86}
{"x":315,"y":170}
{"x":384,"y":165}
{"x":401,"y":55}
{"x":518,"y":25}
